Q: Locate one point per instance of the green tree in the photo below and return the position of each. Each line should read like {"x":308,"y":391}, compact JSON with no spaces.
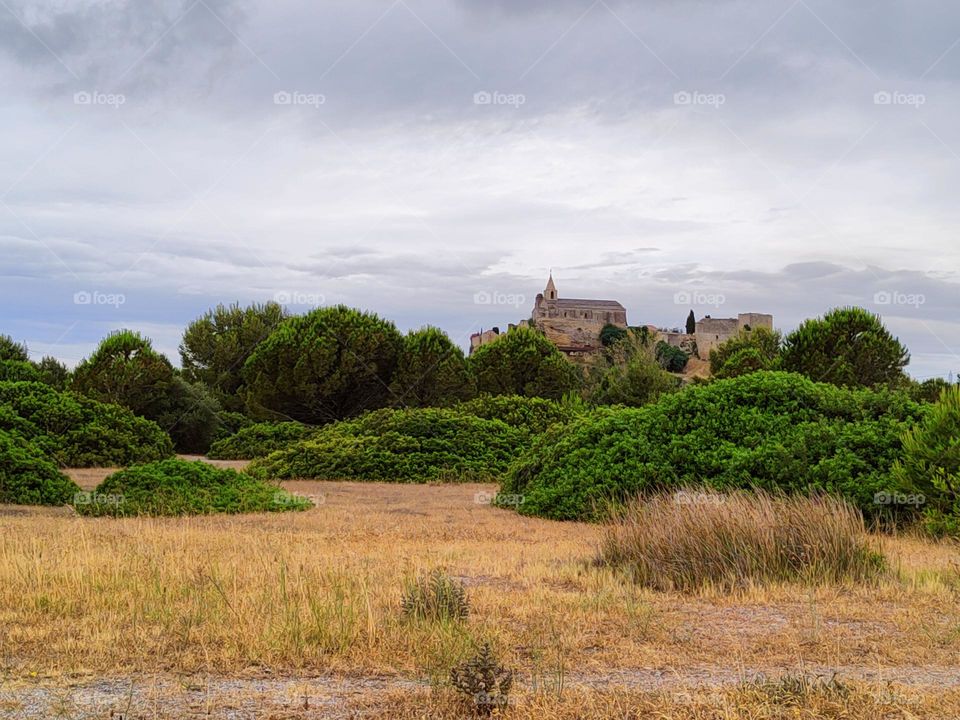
{"x":11,"y":350}
{"x":216,"y":345}
{"x":523,"y":362}
{"x":188,"y":412}
{"x":630,"y":374}
{"x":748,"y":351}
{"x":431,"y":371}
{"x":126,"y":370}
{"x":672,"y":359}
{"x":691,"y":323}
{"x":930,"y":463}
{"x":329,"y":364}
{"x":611,"y":334}
{"x":53,"y":373}
{"x":849,"y":347}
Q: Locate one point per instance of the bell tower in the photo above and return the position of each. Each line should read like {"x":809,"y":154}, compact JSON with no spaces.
{"x":550,"y":292}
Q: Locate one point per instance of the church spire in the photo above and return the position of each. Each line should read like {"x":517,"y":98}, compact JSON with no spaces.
{"x":550,"y":292}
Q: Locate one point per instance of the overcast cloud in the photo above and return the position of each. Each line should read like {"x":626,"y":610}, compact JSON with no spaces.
{"x":418,"y":158}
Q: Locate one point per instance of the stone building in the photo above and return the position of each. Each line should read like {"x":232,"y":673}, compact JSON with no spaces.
{"x":574,"y":324}
{"x":713,"y":332}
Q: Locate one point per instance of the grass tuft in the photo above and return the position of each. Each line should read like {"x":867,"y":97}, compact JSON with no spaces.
{"x":696,"y":539}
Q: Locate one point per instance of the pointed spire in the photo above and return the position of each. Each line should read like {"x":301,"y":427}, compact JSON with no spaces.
{"x":550,"y":292}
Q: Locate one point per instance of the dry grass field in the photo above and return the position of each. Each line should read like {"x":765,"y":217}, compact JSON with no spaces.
{"x":297,"y":615}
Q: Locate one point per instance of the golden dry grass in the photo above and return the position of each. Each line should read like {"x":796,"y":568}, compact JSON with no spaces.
{"x":693,"y":538}
{"x":312,"y":593}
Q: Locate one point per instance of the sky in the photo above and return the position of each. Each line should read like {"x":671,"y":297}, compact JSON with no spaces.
{"x":432,"y":161}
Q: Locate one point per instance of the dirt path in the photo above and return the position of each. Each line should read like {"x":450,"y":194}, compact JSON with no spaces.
{"x":329,"y":696}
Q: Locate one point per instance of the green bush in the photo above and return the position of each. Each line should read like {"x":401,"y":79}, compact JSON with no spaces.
{"x":747,"y":352}
{"x":531,"y":414}
{"x":930,"y":465}
{"x":524,"y":362}
{"x":672,"y":359}
{"x":230,"y":423}
{"x":75,"y":431}
{"x":771,"y":430}
{"x":630,"y":375}
{"x":179,"y":487}
{"x":189,"y":414}
{"x":18,"y":371}
{"x":28,"y":478}
{"x":416,"y":445}
{"x":259,"y":440}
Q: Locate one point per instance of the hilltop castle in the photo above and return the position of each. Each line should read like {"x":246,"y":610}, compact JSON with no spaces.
{"x":574,"y":325}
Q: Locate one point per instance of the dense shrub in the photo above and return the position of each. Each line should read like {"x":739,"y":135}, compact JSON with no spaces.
{"x":747,"y":352}
{"x":431,"y":371}
{"x":416,"y":445}
{"x":75,"y":431}
{"x":771,"y":430}
{"x":693,"y":539}
{"x":672,"y":359}
{"x":230,"y":423}
{"x":629,"y":374}
{"x":259,"y":440}
{"x":28,"y":478}
{"x":523,"y":362}
{"x":611,"y":334}
{"x":178,"y":487}
{"x":849,"y":347}
{"x":53,"y":373}
{"x":532,"y":414}
{"x":930,"y":465}
{"x":330,"y":364}
{"x":18,"y":371}
{"x":189,"y":414}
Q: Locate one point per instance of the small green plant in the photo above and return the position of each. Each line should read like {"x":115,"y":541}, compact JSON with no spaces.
{"x":483,"y":681}
{"x":436,"y":597}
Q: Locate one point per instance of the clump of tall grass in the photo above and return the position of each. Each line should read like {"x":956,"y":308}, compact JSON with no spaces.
{"x":698,"y":539}
{"x":435,"y":596}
